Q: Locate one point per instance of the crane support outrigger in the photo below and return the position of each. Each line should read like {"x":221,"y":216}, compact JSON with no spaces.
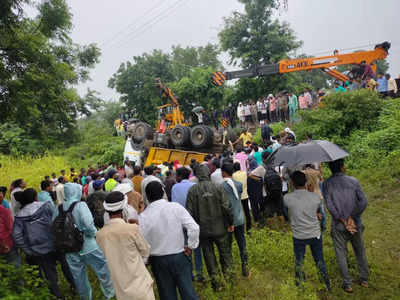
{"x":324,"y":63}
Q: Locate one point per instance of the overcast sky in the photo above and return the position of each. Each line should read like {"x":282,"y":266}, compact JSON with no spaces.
{"x":125,"y":28}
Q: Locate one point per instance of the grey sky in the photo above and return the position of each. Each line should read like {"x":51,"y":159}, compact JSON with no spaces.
{"x":125,"y":28}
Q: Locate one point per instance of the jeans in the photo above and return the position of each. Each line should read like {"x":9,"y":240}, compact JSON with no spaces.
{"x":96,"y":260}
{"x":299,"y":247}
{"x":198,"y":262}
{"x":340,"y":239}
{"x":241,"y":242}
{"x":245,"y":205}
{"x":171,"y":272}
{"x":224,"y":246}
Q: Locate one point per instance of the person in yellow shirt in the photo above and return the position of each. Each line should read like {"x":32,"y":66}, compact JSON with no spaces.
{"x":245,"y":137}
{"x":73,"y":175}
{"x":371,"y":83}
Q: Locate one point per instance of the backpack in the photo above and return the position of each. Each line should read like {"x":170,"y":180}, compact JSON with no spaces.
{"x":68,"y":238}
{"x":272,"y":181}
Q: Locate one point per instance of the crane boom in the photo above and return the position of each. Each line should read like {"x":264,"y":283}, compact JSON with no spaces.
{"x":324,"y":63}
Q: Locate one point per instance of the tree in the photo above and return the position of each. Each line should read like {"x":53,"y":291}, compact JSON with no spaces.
{"x":197,"y":89}
{"x":135,"y":80}
{"x":39,"y":66}
{"x":255,"y":37}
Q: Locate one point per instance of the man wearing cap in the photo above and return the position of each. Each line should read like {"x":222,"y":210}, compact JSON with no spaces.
{"x":125,"y":250}
{"x":161,"y":224}
{"x":111,"y":182}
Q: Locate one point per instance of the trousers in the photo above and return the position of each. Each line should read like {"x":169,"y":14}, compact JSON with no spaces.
{"x":224,"y":246}
{"x":340,"y":240}
{"x":172,"y":272}
{"x":48,"y":268}
{"x":299,"y":247}
{"x":96,"y":260}
{"x":245,"y":205}
{"x":241,"y":242}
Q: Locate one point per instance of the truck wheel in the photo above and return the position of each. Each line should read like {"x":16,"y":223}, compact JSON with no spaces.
{"x":141,"y":132}
{"x":180,"y":136}
{"x":201,"y":137}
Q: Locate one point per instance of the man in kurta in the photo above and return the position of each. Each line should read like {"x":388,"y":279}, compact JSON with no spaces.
{"x":125,"y":250}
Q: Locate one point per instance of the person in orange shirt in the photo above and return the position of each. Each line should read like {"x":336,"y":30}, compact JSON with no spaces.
{"x":137,"y":179}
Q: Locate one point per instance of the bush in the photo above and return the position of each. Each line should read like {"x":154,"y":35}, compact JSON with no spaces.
{"x":14,"y":141}
{"x":23,"y":283}
{"x":340,"y":115}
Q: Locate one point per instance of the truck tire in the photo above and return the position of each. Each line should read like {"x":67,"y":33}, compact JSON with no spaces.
{"x":141,"y":132}
{"x":201,"y":137}
{"x":180,"y":136}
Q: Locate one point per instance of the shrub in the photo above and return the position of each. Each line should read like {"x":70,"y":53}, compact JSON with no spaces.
{"x":22,"y":283}
{"x":340,"y":115}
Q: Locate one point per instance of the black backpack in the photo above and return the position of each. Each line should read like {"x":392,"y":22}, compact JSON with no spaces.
{"x":272,"y":181}
{"x":68,"y":238}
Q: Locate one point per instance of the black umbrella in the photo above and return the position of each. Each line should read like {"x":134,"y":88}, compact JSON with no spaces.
{"x":307,"y":153}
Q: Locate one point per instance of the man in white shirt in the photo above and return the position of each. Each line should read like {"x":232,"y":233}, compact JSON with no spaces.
{"x":60,"y":190}
{"x":392,"y":86}
{"x":216,"y":176}
{"x":149,"y":178}
{"x":162,"y":224}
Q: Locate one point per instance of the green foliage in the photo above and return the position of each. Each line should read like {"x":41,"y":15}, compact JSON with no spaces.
{"x":135,"y":81}
{"x":38,"y":67}
{"x":340,"y":115}
{"x":22,"y":283}
{"x":255,"y":36}
{"x":196,"y":88}
{"x":96,"y":143}
{"x":14,"y":141}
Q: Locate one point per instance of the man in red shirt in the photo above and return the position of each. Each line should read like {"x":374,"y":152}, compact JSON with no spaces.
{"x":7,"y":250}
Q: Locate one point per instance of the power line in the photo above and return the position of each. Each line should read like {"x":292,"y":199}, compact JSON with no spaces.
{"x":132,"y":24}
{"x":347,"y":49}
{"x":148,"y":25}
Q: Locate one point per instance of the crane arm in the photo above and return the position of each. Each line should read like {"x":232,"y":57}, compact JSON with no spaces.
{"x":305,"y":64}
{"x":167,"y":92}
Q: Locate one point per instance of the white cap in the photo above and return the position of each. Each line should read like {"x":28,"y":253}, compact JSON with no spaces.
{"x":124,"y":188}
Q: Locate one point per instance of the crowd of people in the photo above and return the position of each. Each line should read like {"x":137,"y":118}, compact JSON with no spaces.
{"x":118,"y":219}
{"x":283,"y":106}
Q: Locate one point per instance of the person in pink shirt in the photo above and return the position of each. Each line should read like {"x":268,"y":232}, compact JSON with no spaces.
{"x":303,"y":102}
{"x":241,"y":157}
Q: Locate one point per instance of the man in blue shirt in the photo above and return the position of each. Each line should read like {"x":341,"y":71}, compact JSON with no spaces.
{"x":180,"y":190}
{"x":339,"y":88}
{"x":44,"y":195}
{"x":179,"y":194}
{"x":382,"y":85}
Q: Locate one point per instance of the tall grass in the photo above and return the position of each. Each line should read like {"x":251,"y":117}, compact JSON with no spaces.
{"x":32,"y":169}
